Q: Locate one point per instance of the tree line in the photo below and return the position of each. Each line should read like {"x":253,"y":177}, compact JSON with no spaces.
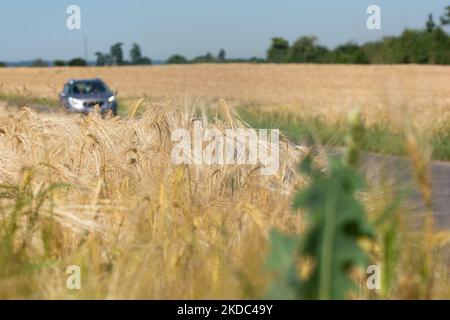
{"x":115,"y":57}
{"x":429,"y":45}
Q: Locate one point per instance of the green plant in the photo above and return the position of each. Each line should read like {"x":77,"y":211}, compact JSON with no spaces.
{"x":335,"y":220}
{"x":378,"y":137}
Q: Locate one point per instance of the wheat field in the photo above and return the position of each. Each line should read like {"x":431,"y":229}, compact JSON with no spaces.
{"x":103,"y":193}
{"x":138,"y":225}
{"x":386,"y":92}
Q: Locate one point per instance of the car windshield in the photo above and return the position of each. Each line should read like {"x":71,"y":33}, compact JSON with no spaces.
{"x":88,"y":87}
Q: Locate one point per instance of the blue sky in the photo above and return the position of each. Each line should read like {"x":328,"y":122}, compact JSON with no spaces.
{"x":32,"y":29}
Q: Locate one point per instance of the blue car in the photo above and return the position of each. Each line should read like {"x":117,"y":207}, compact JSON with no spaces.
{"x":82,"y":96}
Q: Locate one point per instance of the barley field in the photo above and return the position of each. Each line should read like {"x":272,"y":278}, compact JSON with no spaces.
{"x":103,"y":193}
{"x":382,"y":92}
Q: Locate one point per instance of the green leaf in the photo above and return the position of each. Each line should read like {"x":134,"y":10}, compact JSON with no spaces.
{"x":337,"y":221}
{"x":281,"y":261}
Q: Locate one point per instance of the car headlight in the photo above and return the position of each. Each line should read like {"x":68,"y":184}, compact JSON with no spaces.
{"x":111,"y":99}
{"x":76,"y":103}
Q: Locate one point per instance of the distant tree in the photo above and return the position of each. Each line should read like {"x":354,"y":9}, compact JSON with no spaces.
{"x":116,"y":53}
{"x":439,"y":50}
{"x":39,"y":63}
{"x":77,"y":62}
{"x":177,"y":59}
{"x":278,"y":51}
{"x":135,"y":54}
{"x":59,"y":63}
{"x":145,"y":61}
{"x":445,"y":18}
{"x":430,"y":26}
{"x":376,"y":51}
{"x":208,"y":58}
{"x":103,"y":59}
{"x":237,"y":60}
{"x":222,"y":56}
{"x":256,"y":60}
{"x":306,"y":50}
{"x":349,"y":53}
{"x":3,"y":65}
{"x":412,"y":46}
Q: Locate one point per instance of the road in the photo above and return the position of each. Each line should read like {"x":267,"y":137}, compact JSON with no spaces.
{"x":380,"y":168}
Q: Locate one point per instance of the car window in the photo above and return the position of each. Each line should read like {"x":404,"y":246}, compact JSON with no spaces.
{"x":88,"y":87}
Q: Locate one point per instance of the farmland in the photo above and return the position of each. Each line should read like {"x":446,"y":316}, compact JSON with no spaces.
{"x":103,"y":194}
{"x":393,"y":99}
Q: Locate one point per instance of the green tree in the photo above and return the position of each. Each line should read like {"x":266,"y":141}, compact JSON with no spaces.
{"x":412,"y":46}
{"x":430,"y":26}
{"x":222,"y":56}
{"x":306,"y":50}
{"x":349,"y":53}
{"x":445,"y":18}
{"x":116,"y":53}
{"x":256,"y":60}
{"x":177,"y":59}
{"x":135,"y":54}
{"x":145,"y":61}
{"x":439,"y":50}
{"x":77,"y":62}
{"x":415,"y":47}
{"x":103,"y":59}
{"x":278,"y":51}
{"x":39,"y":63}
{"x":3,"y":65}
{"x":59,"y":63}
{"x":377,"y":51}
{"x":208,"y":58}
